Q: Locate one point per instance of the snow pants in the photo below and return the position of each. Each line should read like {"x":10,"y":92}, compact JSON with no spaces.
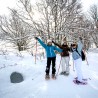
{"x":78,"y":64}
{"x":49,"y":60}
{"x":65,"y":61}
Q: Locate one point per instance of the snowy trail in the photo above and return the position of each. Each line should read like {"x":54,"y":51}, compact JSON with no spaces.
{"x":35,"y":86}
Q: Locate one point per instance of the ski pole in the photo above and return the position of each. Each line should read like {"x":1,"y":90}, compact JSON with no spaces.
{"x":36,"y":52}
{"x":73,"y":66}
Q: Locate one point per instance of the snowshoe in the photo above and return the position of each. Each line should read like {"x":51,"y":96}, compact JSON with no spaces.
{"x":66,"y":73}
{"x":79,"y":83}
{"x":82,"y":79}
{"x":53,"y":76}
{"x":47,"y":77}
{"x":62,"y":73}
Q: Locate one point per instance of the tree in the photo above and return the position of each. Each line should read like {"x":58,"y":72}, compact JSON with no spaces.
{"x":15,"y":30}
{"x":58,"y":18}
{"x":94,"y":15}
{"x":55,"y":16}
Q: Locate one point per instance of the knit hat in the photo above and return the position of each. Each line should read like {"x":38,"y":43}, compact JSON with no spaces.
{"x":49,"y":40}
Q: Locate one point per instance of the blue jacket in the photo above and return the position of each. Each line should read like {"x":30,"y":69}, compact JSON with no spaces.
{"x":75,"y":55}
{"x":49,"y":49}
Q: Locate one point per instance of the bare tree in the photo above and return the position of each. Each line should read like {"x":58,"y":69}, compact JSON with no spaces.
{"x":58,"y":18}
{"x":94,"y":25}
{"x":55,"y":16}
{"x":15,"y":30}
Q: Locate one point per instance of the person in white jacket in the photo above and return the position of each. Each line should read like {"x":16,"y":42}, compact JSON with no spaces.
{"x":78,"y":60}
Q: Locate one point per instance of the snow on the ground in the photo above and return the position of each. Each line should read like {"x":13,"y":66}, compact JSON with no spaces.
{"x":95,"y":50}
{"x":34,"y":84}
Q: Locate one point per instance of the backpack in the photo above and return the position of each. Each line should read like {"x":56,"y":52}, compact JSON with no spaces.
{"x":82,"y":54}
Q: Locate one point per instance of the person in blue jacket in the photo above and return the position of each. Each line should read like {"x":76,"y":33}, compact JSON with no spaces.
{"x":76,"y":54}
{"x":51,"y":56}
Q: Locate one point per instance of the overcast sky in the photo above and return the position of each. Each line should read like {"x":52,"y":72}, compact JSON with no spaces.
{"x":12,"y":3}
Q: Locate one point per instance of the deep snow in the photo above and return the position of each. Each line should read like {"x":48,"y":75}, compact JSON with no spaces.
{"x":34,"y":84}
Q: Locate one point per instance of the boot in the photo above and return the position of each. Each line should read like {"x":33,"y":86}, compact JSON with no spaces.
{"x":53,"y":76}
{"x":47,"y":77}
{"x":62,"y":73}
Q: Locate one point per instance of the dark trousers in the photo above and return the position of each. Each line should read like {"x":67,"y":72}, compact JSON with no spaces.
{"x":49,"y":60}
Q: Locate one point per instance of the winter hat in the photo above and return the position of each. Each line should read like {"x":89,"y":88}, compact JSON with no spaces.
{"x":49,"y":40}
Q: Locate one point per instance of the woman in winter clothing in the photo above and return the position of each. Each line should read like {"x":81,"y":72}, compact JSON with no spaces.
{"x":65,"y":57}
{"x":51,"y":56}
{"x":76,"y":54}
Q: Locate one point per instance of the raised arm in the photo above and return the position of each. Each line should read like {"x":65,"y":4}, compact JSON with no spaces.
{"x":58,"y":49}
{"x":80,"y":45}
{"x":57,"y":44}
{"x":41,"y":42}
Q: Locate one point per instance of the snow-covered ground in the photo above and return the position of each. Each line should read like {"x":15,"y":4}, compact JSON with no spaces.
{"x":34,"y":84}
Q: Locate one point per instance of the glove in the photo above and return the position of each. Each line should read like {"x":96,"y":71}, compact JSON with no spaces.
{"x":52,"y":41}
{"x":36,"y":38}
{"x":80,"y":38}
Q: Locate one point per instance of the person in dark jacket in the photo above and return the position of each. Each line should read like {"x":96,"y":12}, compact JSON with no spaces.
{"x":51,"y":56}
{"x":65,"y":57}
